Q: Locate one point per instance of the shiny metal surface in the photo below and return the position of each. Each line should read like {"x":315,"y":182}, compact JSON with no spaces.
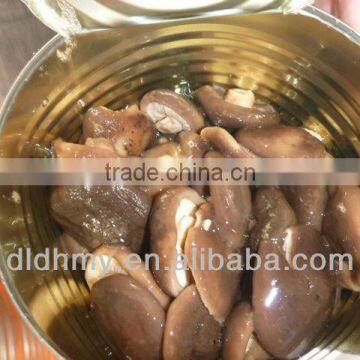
{"x":308,"y":69}
{"x":20,"y":35}
{"x":74,"y":16}
{"x":17,"y":342}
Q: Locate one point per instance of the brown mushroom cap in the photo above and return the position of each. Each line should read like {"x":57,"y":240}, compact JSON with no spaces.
{"x":64,"y":149}
{"x":342,"y":221}
{"x":217,"y":288}
{"x":273,"y":215}
{"x":281,"y":141}
{"x":109,"y":260}
{"x":232,"y":208}
{"x":130,"y":130}
{"x":292,"y":307}
{"x":224,"y":142}
{"x":172,"y":214}
{"x":308,"y":203}
{"x":73,"y":247}
{"x":129,"y":317}
{"x":190,"y":331}
{"x":171,"y":112}
{"x":97,"y":214}
{"x":240,"y":342}
{"x":226,"y":114}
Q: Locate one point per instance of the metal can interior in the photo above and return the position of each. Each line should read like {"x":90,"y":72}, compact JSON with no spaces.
{"x":307,"y":64}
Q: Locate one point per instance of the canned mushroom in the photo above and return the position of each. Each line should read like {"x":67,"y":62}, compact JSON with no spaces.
{"x":194,"y":313}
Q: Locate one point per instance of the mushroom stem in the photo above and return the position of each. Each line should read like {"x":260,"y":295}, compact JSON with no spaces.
{"x":240,"y":97}
{"x":101,"y":265}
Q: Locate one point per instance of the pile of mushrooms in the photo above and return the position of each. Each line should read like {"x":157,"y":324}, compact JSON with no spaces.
{"x":167,"y":313}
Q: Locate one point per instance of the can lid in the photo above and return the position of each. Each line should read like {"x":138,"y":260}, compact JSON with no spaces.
{"x":68,"y":17}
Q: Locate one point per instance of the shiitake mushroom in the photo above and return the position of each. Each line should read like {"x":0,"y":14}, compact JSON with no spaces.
{"x":190,"y":331}
{"x":291,"y":307}
{"x":130,"y":130}
{"x":308,"y":202}
{"x":273,"y":215}
{"x":171,"y":112}
{"x":342,"y":228}
{"x":229,"y":115}
{"x":217,"y":288}
{"x":232,"y":209}
{"x":281,"y":141}
{"x":102,"y":214}
{"x":342,"y":220}
{"x":172,"y":214}
{"x":129,"y":317}
{"x":109,"y":260}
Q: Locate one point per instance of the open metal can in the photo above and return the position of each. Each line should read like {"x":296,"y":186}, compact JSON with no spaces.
{"x":304,"y":62}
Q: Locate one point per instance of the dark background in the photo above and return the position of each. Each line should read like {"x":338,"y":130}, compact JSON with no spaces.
{"x":21,"y":35}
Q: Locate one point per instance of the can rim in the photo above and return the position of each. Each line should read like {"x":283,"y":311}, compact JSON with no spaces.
{"x":164,"y":5}
{"x":28,"y":70}
{"x":76,"y":16}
